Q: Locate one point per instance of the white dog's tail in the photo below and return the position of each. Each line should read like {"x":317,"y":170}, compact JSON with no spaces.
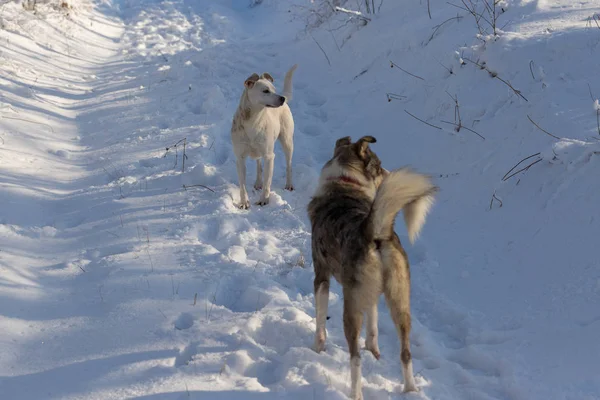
{"x":402,"y":189}
{"x":287,"y":84}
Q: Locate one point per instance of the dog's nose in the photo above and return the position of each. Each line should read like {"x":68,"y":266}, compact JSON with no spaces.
{"x":282,"y":99}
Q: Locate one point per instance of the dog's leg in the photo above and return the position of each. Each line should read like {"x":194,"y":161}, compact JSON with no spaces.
{"x":396,"y":288}
{"x":371,"y":342}
{"x":241,"y":170}
{"x":321,"y":306}
{"x":352,"y":326}
{"x":267,"y":179}
{"x":287,"y":143}
{"x":258,"y":183}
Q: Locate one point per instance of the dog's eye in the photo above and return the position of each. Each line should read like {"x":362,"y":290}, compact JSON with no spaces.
{"x":266,"y":91}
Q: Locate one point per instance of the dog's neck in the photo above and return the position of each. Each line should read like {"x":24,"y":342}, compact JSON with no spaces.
{"x":345,"y":179}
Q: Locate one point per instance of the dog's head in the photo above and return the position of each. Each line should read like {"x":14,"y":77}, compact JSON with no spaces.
{"x":354,"y":164}
{"x":261,"y":91}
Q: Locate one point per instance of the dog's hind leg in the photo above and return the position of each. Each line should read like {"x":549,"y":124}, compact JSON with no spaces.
{"x":371,"y":342}
{"x":287,"y":143}
{"x":352,"y":325}
{"x":321,"y":306}
{"x":241,"y":170}
{"x":396,"y":287}
{"x":258,"y":182}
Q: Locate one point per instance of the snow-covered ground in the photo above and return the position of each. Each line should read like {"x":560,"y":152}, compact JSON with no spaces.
{"x":116,"y":282}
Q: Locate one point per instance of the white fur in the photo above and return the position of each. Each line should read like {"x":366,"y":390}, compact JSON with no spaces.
{"x":372,"y":332}
{"x":402,"y":189}
{"x":260,"y":120}
{"x":355,"y":379}
{"x":321,"y":305}
{"x":409,"y":378}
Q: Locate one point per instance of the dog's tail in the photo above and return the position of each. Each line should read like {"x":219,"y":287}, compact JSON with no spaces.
{"x":287,"y":84}
{"x":406,"y":190}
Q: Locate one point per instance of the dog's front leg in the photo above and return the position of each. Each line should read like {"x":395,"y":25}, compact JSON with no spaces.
{"x":258,"y":182}
{"x":241,"y":170}
{"x":267,"y":179}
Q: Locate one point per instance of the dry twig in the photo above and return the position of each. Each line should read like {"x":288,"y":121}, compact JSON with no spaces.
{"x":356,"y":14}
{"x":517,"y":164}
{"x":184,"y":157}
{"x":597,"y":105}
{"x":438,"y":26}
{"x":464,"y":127}
{"x":542,"y":129}
{"x":186,"y":187}
{"x":495,"y":198}
{"x":531,"y":69}
{"x":425,"y":122}
{"x":392,"y":65}
{"x":394,"y":96}
{"x":495,"y":75}
{"x":323,"y":51}
{"x":523,"y":169}
{"x":508,"y":175}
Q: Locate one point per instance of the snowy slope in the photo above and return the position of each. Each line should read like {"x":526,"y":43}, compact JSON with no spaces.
{"x":116,"y":282}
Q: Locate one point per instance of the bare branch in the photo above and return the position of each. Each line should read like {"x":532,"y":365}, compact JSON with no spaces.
{"x":394,"y":96}
{"x":531,"y":69}
{"x":425,"y":122}
{"x":523,"y":169}
{"x":186,"y":187}
{"x":325,"y":54}
{"x":356,"y":14}
{"x":446,"y":68}
{"x":495,"y":198}
{"x":495,"y":75}
{"x":595,"y":100}
{"x":438,"y":26}
{"x":392,"y":65}
{"x":464,"y":127}
{"x":542,"y":129}
{"x":517,"y":164}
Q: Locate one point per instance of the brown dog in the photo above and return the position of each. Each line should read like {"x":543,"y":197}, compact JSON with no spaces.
{"x":352,"y":216}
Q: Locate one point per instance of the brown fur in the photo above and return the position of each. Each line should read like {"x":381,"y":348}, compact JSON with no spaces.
{"x":352,"y":216}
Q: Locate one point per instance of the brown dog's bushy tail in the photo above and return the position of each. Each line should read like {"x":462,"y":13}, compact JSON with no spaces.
{"x":287,"y":84}
{"x":405,"y":190}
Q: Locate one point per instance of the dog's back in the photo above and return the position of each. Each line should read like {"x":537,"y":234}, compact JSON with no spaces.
{"x":341,"y":229}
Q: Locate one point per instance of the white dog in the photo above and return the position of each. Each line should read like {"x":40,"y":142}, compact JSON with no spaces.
{"x":261,"y":118}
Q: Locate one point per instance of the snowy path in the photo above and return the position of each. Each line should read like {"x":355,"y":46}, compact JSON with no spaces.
{"x":117,"y":283}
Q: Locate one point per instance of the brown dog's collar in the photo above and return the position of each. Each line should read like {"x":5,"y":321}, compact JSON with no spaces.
{"x":346,"y":179}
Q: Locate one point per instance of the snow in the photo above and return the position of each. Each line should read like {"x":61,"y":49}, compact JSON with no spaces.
{"x":117,"y":282}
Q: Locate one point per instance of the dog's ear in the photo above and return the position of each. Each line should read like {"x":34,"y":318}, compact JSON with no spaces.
{"x":343,"y":141}
{"x":251,"y":80}
{"x":267,"y":76}
{"x":363,"y":145}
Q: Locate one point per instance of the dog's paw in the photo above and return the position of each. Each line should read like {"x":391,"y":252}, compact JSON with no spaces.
{"x":374,"y":349}
{"x":289,"y":187}
{"x":258,"y":186}
{"x":319,"y":345}
{"x":262,"y":202}
{"x":410,"y":387}
{"x":356,"y":395}
{"x":244,"y":205}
